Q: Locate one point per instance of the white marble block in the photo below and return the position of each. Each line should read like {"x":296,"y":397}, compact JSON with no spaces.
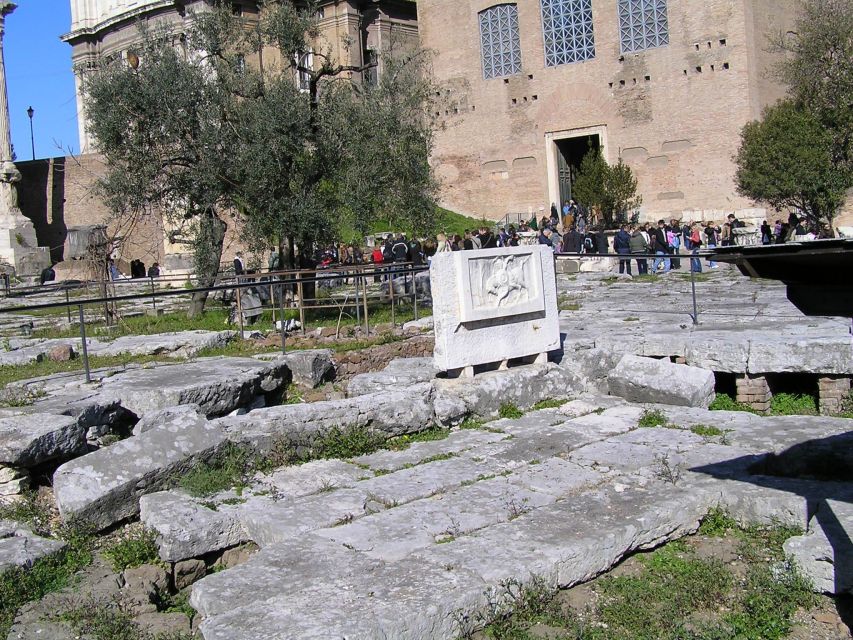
{"x":493,"y":305}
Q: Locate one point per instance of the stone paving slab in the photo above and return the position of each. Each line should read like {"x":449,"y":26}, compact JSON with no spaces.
{"x":393,"y":534}
{"x":310,"y":478}
{"x":28,"y":440}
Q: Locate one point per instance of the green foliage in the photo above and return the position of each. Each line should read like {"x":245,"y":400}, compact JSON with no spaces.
{"x":510,"y":411}
{"x":137,"y":547}
{"x":717,"y":523}
{"x":706,"y":430}
{"x":428,"y":435}
{"x":470,"y":422}
{"x":548,"y":404}
{"x":178,"y":603}
{"x":724,"y":402}
{"x":30,"y":511}
{"x":789,"y":404}
{"x":786,"y":161}
{"x":652,"y":418}
{"x":20,"y":586}
{"x":348,"y":442}
{"x":224,"y":471}
{"x":818,"y":68}
{"x":612,"y":188}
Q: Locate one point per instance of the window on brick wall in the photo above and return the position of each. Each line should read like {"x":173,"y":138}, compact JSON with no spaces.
{"x":500,"y":41}
{"x":567,"y":30}
{"x":643,"y":24}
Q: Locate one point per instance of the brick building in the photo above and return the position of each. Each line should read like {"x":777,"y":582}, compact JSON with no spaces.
{"x":531,"y":85}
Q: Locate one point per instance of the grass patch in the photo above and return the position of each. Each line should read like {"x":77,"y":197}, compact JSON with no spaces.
{"x":548,"y":404}
{"x":109,"y":621}
{"x":15,"y":372}
{"x":673,"y":593}
{"x":645,"y":277}
{"x":631,"y":319}
{"x":137,"y":548}
{"x":472,"y":423}
{"x":724,"y":402}
{"x":706,"y":431}
{"x":429,"y":435}
{"x":510,"y":411}
{"x":790,"y":404}
{"x":293,"y":395}
{"x":652,"y":418}
{"x":20,"y":586}
{"x":228,"y":469}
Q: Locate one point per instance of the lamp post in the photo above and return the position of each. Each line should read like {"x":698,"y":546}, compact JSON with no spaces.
{"x":30,"y":113}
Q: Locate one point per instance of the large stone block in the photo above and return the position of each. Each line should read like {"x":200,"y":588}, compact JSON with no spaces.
{"x":824,"y":555}
{"x":104,"y":487}
{"x":187,"y":529}
{"x":28,"y":440}
{"x":647,"y":380}
{"x":493,"y":305}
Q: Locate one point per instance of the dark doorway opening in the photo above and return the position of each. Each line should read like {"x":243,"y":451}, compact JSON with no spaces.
{"x":570,"y":154}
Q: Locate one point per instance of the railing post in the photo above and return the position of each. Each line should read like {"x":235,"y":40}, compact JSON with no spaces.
{"x":240,"y":309}
{"x":300,"y":293}
{"x":357,"y":304}
{"x":364,"y":298}
{"x":390,"y":282}
{"x":281,"y":317}
{"x":83,"y":343}
{"x":414,"y":293}
{"x":693,"y":288}
{"x":153,"y":297}
{"x":68,"y":308}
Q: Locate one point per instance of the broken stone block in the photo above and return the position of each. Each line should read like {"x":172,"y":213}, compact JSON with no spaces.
{"x":186,"y":529}
{"x":649,"y":380}
{"x":311,"y":367}
{"x":400,"y":373}
{"x":14,"y":487}
{"x":20,"y":547}
{"x":29,"y":440}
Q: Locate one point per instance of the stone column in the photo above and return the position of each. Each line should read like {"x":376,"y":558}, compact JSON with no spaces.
{"x":832,"y":392}
{"x":754,"y":391}
{"x":18,"y":246}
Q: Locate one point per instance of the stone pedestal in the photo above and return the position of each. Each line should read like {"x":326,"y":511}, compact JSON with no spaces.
{"x":754,"y":391}
{"x":832,"y":392}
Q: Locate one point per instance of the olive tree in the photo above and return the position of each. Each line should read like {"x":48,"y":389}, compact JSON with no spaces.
{"x":199,"y":128}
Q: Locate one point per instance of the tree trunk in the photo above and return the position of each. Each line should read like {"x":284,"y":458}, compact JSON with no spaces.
{"x":209,"y":242}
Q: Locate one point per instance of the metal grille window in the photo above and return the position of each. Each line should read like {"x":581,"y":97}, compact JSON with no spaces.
{"x":567,"y":27}
{"x":500,"y":41}
{"x":643,"y":24}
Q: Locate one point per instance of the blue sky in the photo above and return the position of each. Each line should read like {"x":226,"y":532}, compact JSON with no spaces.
{"x":38,"y":74}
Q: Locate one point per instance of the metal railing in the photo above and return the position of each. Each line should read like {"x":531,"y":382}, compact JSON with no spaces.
{"x":277,"y":280}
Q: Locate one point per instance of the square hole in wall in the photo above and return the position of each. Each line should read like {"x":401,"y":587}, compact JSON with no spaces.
{"x":726,"y":66}
{"x":530,"y":76}
{"x":535,"y":98}
{"x":698,"y":69}
{"x":506,"y":80}
{"x":515,"y":100}
{"x":621,"y":83}
{"x":722,"y":42}
{"x":610,"y":84}
{"x":712,"y":67}
{"x":648,"y":78}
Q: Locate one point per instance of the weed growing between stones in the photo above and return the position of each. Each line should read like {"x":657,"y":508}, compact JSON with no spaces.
{"x":707,"y":431}
{"x":29,"y":510}
{"x":664,"y":470}
{"x":109,"y":621}
{"x":652,"y":418}
{"x":20,"y":586}
{"x":724,"y":402}
{"x":790,"y":404}
{"x":137,"y":547}
{"x":349,"y":442}
{"x":429,"y":435}
{"x":293,"y":395}
{"x":510,"y":411}
{"x":223,"y":472}
{"x":471,"y":422}
{"x":549,"y":404}
{"x":679,"y":591}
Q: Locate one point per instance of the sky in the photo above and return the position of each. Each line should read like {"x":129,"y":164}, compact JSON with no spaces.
{"x":38,"y":74}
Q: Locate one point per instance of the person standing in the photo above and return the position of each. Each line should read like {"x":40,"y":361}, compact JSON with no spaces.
{"x":442,"y":244}
{"x":239,"y":265}
{"x":622,"y":246}
{"x":766,"y":233}
{"x":661,"y":248}
{"x":639,"y":245}
{"x":154,"y":270}
{"x":711,"y":237}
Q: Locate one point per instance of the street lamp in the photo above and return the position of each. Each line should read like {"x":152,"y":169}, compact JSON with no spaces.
{"x":30,"y":113}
